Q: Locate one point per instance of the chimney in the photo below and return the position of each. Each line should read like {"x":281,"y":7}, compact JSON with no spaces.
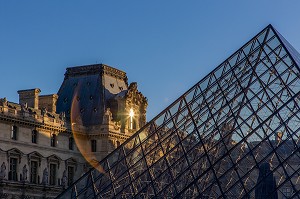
{"x":30,"y":96}
{"x":48,"y":102}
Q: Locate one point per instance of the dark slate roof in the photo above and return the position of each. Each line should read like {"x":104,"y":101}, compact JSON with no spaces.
{"x":83,"y":93}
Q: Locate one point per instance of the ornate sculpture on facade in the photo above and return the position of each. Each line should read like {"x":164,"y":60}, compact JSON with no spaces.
{"x":62,"y":116}
{"x":24,"y":108}
{"x":45,"y":177}
{"x":44,"y":111}
{"x":64,"y":179}
{"x":108,"y":119}
{"x":4,"y":101}
{"x":3,"y":171}
{"x":107,"y":116}
{"x":137,"y":99}
{"x":24,"y":173}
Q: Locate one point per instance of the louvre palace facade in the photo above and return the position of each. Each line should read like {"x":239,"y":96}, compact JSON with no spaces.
{"x":234,"y":134}
{"x":49,"y":141}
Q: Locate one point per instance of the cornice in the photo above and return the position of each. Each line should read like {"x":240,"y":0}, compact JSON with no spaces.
{"x":114,"y":72}
{"x":103,"y":135}
{"x":38,"y":147}
{"x":21,"y":121}
{"x":95,"y":69}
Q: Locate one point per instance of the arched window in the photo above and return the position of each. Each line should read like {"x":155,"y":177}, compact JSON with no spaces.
{"x":53,"y":140}
{"x":71,"y":143}
{"x":14,"y":131}
{"x":34,"y":136}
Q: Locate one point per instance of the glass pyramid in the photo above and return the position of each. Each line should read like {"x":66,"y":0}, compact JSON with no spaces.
{"x":235,"y":134}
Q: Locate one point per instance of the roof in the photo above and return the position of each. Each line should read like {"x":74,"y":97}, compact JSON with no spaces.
{"x":86,"y":89}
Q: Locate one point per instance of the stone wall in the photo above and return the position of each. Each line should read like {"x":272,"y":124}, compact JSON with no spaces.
{"x":24,"y":122}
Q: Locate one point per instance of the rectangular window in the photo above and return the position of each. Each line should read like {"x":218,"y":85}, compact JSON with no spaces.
{"x":53,"y":140}
{"x":14,"y":130}
{"x":13,"y":164}
{"x":71,"y":143}
{"x":52,"y":174}
{"x":71,"y":174}
{"x":94,"y":145}
{"x":34,"y":136}
{"x":34,"y":172}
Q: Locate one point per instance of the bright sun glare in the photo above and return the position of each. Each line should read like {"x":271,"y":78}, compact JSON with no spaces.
{"x":131,"y":113}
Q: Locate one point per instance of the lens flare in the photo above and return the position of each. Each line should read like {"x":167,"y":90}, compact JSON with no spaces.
{"x":81,"y":135}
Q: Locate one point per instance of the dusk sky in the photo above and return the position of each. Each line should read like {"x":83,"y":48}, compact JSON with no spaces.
{"x":165,"y":46}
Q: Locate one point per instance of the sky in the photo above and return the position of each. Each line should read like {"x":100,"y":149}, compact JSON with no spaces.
{"x":166,"y":46}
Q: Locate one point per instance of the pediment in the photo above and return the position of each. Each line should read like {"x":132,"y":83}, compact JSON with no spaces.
{"x":35,"y":154}
{"x":71,"y":161}
{"x":15,"y":151}
{"x":54,"y":158}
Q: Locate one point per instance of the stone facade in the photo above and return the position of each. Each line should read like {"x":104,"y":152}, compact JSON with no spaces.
{"x":46,"y":143}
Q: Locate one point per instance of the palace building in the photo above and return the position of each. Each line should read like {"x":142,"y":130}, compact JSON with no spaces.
{"x":49,"y":141}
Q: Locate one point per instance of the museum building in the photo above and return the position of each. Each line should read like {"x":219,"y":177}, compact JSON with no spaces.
{"x":49,"y":141}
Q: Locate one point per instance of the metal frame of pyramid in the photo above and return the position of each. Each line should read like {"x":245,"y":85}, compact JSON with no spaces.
{"x":235,"y":134}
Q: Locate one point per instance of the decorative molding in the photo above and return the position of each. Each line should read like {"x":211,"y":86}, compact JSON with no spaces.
{"x":102,"y":135}
{"x":54,"y":159}
{"x":23,"y":121}
{"x":95,"y":69}
{"x":71,"y":162}
{"x":35,"y":156}
{"x":14,"y":152}
{"x":115,"y":72}
{"x":29,"y":92}
{"x":134,"y":98}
